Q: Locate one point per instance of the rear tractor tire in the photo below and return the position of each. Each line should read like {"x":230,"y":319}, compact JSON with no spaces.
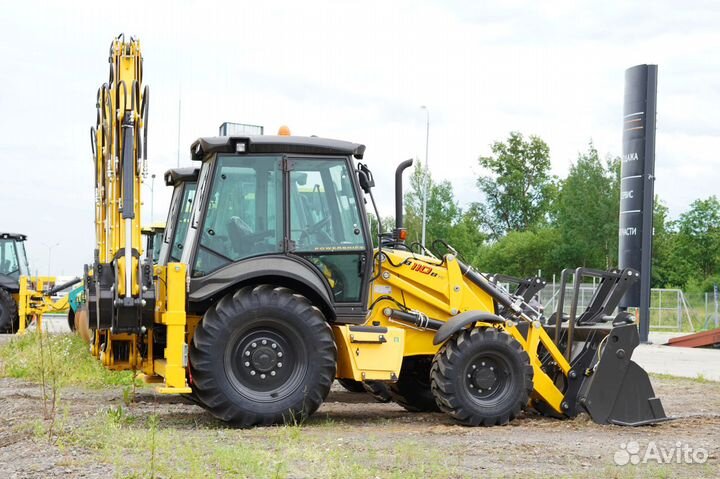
{"x":412,"y":389}
{"x":9,"y":319}
{"x":262,"y":356}
{"x":482,"y":377}
{"x":351,"y":385}
{"x":378,"y":390}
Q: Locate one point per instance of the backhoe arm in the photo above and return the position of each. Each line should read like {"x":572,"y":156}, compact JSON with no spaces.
{"x":120,"y":286}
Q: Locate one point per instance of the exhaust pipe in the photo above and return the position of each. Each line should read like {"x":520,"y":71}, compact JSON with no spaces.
{"x":399,"y":198}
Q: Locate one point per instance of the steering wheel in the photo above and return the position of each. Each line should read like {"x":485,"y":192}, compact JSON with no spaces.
{"x":316,"y":229}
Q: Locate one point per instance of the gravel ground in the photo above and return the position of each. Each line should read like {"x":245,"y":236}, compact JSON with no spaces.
{"x":529,"y":446}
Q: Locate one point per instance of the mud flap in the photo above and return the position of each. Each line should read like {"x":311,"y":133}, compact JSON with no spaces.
{"x":616,"y":390}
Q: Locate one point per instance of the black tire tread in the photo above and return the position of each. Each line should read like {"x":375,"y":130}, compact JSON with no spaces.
{"x":445,"y":367}
{"x":220,"y":317}
{"x":378,"y":390}
{"x":11,"y":320}
{"x":411,"y":394}
{"x":351,"y":385}
{"x":71,"y":319}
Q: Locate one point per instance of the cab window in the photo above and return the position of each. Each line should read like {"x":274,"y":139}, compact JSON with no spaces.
{"x":242,"y":215}
{"x":9,"y":265}
{"x":324,"y":214}
{"x":183,"y":221}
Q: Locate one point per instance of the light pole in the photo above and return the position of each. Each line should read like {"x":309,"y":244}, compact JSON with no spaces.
{"x":49,"y":247}
{"x":426,"y":175}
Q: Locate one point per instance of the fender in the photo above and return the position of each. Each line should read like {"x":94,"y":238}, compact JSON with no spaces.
{"x":10,"y":284}
{"x":463,"y":319}
{"x":279,"y":266}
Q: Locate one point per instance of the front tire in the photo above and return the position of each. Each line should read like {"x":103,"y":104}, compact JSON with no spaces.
{"x":482,"y":377}
{"x":261,"y":356}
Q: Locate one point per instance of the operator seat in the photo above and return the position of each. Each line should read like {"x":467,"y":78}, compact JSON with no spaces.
{"x":240,"y":234}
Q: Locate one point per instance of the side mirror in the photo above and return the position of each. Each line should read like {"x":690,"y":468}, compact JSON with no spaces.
{"x":365,"y":178}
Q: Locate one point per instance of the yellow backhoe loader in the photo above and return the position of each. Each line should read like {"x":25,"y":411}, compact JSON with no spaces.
{"x":275,"y":290}
{"x":24,"y":298}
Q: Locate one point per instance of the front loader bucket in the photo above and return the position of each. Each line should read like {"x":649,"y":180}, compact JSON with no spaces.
{"x":616,"y":390}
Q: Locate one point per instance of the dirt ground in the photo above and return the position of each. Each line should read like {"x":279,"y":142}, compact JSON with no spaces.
{"x":350,"y":436}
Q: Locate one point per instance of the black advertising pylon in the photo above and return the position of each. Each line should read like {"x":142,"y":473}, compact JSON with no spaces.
{"x":637,"y":178}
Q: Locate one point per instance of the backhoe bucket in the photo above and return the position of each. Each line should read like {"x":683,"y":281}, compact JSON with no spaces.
{"x":616,"y":390}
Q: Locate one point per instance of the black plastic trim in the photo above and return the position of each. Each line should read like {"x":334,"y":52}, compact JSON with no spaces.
{"x":457,"y":323}
{"x":293,"y":268}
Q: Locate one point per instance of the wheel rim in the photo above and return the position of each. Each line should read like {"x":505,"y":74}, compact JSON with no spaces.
{"x":487,"y":379}
{"x":266,"y":362}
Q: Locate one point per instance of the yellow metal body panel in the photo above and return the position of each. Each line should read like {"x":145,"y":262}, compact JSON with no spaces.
{"x":366,"y":355}
{"x":172,"y":367}
{"x":423,"y":284}
{"x":544,"y":388}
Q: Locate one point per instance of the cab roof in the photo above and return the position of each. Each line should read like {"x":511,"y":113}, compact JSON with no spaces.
{"x":174,"y":176}
{"x":304,"y":145}
{"x":15,"y":236}
{"x":158,"y":226}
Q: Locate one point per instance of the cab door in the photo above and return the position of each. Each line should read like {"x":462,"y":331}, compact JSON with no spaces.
{"x":326,"y":227}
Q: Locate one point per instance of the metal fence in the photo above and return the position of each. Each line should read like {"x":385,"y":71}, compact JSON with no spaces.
{"x":670,"y":309}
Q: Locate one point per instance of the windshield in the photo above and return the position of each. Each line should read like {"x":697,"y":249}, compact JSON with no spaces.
{"x":324,"y":214}
{"x":9,"y":264}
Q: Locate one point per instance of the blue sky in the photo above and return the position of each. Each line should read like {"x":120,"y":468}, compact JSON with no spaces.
{"x":351,"y":70}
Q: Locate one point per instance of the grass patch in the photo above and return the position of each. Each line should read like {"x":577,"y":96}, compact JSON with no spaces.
{"x":669,"y":377}
{"x":143,"y":446}
{"x":71,"y":365}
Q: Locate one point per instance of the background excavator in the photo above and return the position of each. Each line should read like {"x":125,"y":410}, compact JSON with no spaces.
{"x":24,"y":298}
{"x":267,"y":288}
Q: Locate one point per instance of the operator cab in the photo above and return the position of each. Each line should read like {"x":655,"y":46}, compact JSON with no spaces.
{"x":184,"y":183}
{"x":153,"y":240}
{"x":13,"y":260}
{"x":280,"y":206}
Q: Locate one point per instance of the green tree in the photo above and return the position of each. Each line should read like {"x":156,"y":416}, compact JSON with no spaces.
{"x":445,"y":219}
{"x":670,"y":267}
{"x":522,"y":253}
{"x":466,"y":236}
{"x":587,"y":212}
{"x":519,"y":188}
{"x":388,"y":224}
{"x":699,"y":236}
